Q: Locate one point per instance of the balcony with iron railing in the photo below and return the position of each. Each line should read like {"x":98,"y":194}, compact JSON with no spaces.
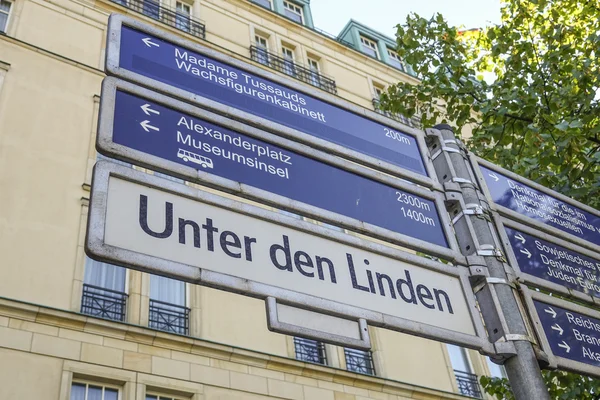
{"x":468,"y":385}
{"x":293,"y":69}
{"x":103,"y":303}
{"x":310,"y":351}
{"x":359,"y":361}
{"x":414,"y":121}
{"x":177,"y":19}
{"x":169,"y":317}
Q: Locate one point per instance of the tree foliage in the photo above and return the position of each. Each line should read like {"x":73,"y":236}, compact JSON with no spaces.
{"x":539,"y":115}
{"x":561,"y":386}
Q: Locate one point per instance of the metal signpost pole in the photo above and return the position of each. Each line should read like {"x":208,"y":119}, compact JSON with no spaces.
{"x":479,"y":243}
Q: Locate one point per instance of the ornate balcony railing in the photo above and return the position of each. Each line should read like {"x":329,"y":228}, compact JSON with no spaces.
{"x":468,"y":384}
{"x":292,"y":69}
{"x":169,"y":317}
{"x":310,"y":351}
{"x":414,"y":122}
{"x":103,"y":303}
{"x":359,"y":361}
{"x":176,"y":19}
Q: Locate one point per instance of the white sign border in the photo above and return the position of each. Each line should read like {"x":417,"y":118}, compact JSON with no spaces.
{"x":113,"y":44}
{"x":502,"y":222}
{"x":106,"y":146}
{"x":554,"y":360}
{"x":97,"y":249}
{"x":477,"y":161}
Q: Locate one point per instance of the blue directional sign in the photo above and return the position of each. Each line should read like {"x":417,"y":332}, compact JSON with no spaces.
{"x":163,"y":132}
{"x":554,"y":263}
{"x":182,"y":68}
{"x":541,"y":207}
{"x":571,"y":335}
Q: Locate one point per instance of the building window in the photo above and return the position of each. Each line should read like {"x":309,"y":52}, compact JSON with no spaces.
{"x":395,"y":60}
{"x":104,"y":290}
{"x":151,"y":8}
{"x":264,"y":3}
{"x":466,"y":380}
{"x":293,"y":12}
{"x":315,"y":72}
{"x":496,"y":371}
{"x":262,"y":49}
{"x":369,"y":46}
{"x":310,"y":351}
{"x":167,"y":305}
{"x":4,"y":13}
{"x":86,"y":391}
{"x":182,"y":16}
{"x":289,"y":66}
{"x":359,"y":361}
{"x":160,"y":397}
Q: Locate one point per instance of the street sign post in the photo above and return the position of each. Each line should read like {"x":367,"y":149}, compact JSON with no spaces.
{"x":147,"y":56}
{"x":162,"y":227}
{"x":549,"y":262}
{"x":568,"y":333}
{"x":149,"y":129}
{"x":526,"y":201}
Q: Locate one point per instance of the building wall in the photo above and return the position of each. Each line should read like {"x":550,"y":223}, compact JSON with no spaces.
{"x":51,"y":63}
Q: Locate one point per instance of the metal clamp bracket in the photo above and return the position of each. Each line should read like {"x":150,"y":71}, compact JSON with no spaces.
{"x":492,"y":281}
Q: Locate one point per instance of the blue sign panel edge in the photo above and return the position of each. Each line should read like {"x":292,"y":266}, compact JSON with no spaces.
{"x":106,"y":146}
{"x":113,"y":67}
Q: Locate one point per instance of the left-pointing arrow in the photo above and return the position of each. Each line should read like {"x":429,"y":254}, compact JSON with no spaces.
{"x":565,"y":346}
{"x":149,"y":42}
{"x":146,"y":125}
{"x":146,"y":109}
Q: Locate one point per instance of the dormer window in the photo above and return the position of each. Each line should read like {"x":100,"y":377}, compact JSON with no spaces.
{"x":369,"y":47}
{"x":395,"y":60}
{"x":293,"y":12}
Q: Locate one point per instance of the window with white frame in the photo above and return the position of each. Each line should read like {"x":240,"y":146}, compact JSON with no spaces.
{"x":377,"y":91}
{"x":315,"y":74}
{"x":151,"y":8}
{"x":369,"y":46}
{"x":395,"y":59}
{"x":168,"y":311}
{"x":262,"y":50}
{"x":466,"y":380}
{"x":5,"y":7}
{"x":160,"y":397}
{"x":92,"y":391}
{"x":289,"y":66}
{"x":183,"y":13}
{"x":104,"y":293}
{"x":264,"y":3}
{"x":293,"y":11}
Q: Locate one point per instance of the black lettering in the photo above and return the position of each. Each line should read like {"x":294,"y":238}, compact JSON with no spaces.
{"x":439,"y":293}
{"x":286,"y":251}
{"x":248,"y":247}
{"x":355,"y":284}
{"x":225,"y":244}
{"x":307,"y":262}
{"x":143,"y":219}
{"x":210,"y":230}
{"x":380,"y":279}
{"x":195,"y":228}
{"x":320,"y":261}
{"x":408,"y":282}
{"x":424,"y":293}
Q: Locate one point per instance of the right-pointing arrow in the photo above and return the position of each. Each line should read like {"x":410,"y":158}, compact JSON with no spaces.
{"x":526,"y":252}
{"x":557,"y":328}
{"x":494,"y":176}
{"x":550,"y":311}
{"x":565,"y":346}
{"x":520,"y":237}
{"x":146,"y":125}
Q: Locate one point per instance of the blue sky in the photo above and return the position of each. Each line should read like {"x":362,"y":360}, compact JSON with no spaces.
{"x":383,"y":15}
